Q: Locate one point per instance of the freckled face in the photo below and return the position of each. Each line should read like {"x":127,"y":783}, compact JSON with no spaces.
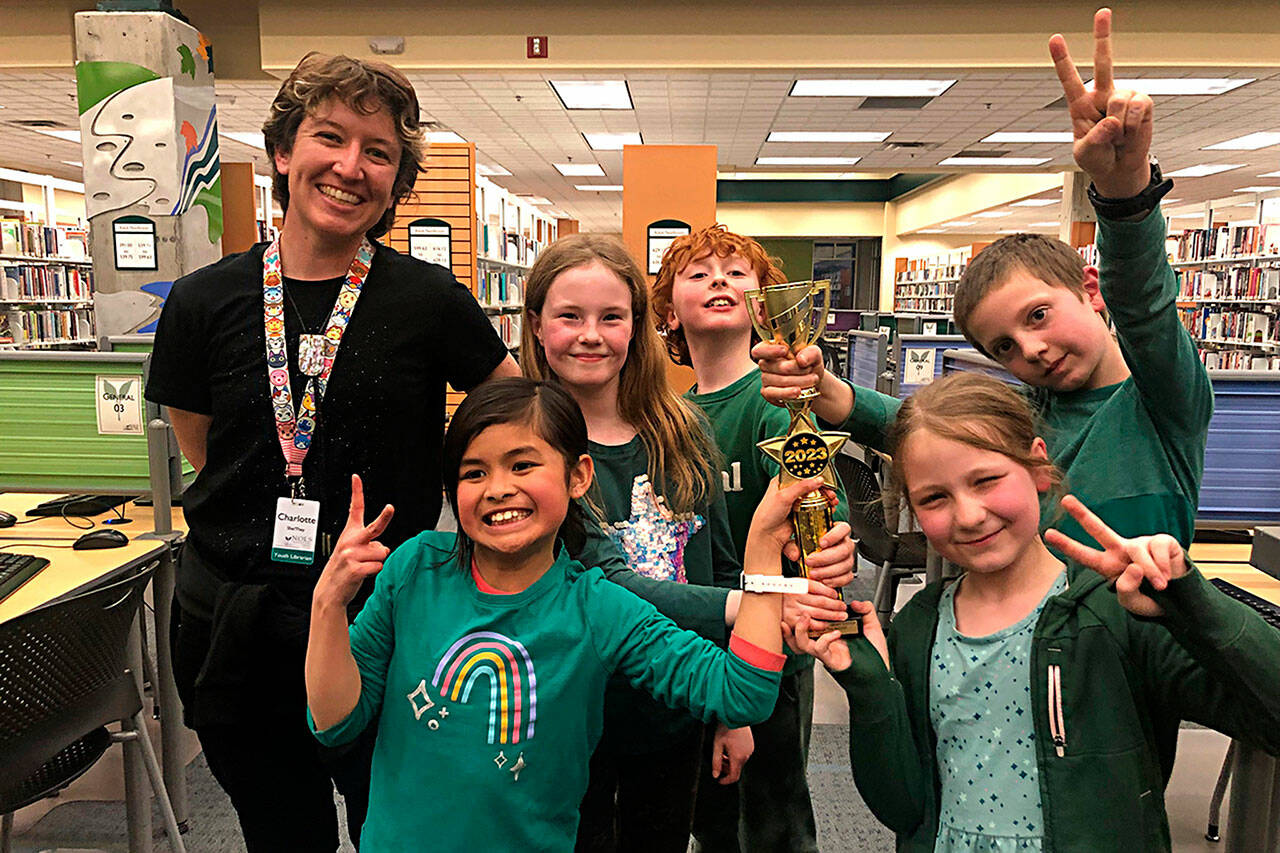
{"x":707,"y":296}
{"x":585,"y":327}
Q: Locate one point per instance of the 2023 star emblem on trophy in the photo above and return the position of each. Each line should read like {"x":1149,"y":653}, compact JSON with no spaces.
{"x":795,"y":314}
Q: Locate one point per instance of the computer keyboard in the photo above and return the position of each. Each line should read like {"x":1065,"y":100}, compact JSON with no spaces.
{"x":1268,"y":611}
{"x":17,"y":569}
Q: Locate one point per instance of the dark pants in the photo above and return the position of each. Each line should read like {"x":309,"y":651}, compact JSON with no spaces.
{"x":769,"y":808}
{"x":641,"y":803}
{"x":278,"y":776}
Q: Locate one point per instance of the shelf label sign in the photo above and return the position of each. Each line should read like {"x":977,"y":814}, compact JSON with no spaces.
{"x":134,"y":238}
{"x":119,"y":406}
{"x":660,"y":235}
{"x":429,"y":241}
{"x":920,"y":366}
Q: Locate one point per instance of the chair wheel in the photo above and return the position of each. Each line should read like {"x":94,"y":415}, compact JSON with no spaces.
{"x":1211,"y":834}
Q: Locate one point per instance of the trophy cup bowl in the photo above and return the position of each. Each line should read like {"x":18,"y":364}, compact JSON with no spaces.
{"x":795,"y":314}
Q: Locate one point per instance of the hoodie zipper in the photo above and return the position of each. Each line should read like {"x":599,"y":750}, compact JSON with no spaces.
{"x":1057,"y":722}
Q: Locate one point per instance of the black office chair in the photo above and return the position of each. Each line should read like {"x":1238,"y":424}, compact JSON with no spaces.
{"x":899,"y":555}
{"x":64,"y":675}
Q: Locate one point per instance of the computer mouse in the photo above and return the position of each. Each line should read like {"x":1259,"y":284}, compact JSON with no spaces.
{"x":7,"y":519}
{"x":101,"y":539}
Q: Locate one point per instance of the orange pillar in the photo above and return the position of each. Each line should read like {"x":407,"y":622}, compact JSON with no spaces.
{"x":666,"y":182}
{"x":239,"y":209}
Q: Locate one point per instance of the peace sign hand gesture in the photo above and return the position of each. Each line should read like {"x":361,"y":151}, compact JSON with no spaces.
{"x":1112,"y":128}
{"x":357,"y":555}
{"x":1128,"y":562}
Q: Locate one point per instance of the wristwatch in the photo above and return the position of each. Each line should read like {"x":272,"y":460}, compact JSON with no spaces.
{"x":1144,"y":202}
{"x":773,"y":583}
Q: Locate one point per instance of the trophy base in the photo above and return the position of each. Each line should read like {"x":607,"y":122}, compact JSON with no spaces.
{"x":847,"y":628}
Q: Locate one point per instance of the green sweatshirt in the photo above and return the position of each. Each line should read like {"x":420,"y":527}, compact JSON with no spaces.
{"x":679,"y":552}
{"x":1126,"y":683}
{"x":1133,"y":451}
{"x":489,"y":706}
{"x":740,"y":417}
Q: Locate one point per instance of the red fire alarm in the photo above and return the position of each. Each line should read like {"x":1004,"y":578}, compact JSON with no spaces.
{"x":536,"y":47}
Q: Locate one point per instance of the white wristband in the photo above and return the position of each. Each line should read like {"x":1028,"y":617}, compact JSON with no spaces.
{"x":773,"y":583}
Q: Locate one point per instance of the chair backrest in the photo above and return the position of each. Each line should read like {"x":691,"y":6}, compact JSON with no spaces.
{"x":64,"y":672}
{"x":876,"y":541}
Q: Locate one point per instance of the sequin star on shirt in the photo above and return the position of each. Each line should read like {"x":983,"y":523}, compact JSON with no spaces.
{"x":653,"y":538}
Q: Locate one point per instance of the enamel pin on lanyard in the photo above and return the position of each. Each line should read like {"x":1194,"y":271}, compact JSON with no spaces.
{"x":297,"y":519}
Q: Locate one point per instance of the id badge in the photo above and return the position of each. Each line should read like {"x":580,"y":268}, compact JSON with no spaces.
{"x":294,"y":537}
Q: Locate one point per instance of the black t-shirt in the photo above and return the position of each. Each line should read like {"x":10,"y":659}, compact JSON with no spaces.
{"x":414,"y":328}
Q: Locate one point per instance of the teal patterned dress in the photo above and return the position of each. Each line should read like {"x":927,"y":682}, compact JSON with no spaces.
{"x":980,"y":707}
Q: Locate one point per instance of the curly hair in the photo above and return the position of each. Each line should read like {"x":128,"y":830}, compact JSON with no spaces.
{"x":364,"y":86}
{"x":716,"y":240}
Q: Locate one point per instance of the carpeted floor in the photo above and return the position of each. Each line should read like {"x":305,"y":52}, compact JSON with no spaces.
{"x":844,"y":823}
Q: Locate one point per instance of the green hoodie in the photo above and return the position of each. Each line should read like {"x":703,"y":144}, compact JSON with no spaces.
{"x":1126,"y":683}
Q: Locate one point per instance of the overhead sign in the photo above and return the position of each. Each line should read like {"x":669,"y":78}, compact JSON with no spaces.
{"x":660,"y":235}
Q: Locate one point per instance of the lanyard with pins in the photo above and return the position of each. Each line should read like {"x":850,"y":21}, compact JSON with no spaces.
{"x":315,"y":356}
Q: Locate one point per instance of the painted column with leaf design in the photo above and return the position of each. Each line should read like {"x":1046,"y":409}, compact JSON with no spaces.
{"x":149,"y":133}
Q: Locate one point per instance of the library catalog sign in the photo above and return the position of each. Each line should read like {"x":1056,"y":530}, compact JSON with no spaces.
{"x":119,"y":404}
{"x":429,"y":241}
{"x":134,"y":238}
{"x":659,"y":235}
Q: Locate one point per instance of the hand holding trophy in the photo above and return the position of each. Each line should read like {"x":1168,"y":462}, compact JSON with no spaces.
{"x":795,"y":314}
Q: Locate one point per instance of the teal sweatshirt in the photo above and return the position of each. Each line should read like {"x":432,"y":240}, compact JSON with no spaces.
{"x":489,"y":706}
{"x":1126,"y":683}
{"x":681,"y":552}
{"x":1133,"y":451}
{"x":740,"y":417}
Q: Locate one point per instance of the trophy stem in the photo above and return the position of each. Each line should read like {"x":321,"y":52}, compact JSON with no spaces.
{"x":811,"y":519}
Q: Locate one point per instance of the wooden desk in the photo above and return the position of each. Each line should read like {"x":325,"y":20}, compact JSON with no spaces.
{"x":70,"y":571}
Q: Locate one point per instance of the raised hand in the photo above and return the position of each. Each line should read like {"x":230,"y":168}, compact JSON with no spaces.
{"x":357,"y":554}
{"x":1112,"y":128}
{"x":830,"y":648}
{"x":1128,"y":562}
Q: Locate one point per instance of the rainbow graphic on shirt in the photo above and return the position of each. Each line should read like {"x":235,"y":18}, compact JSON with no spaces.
{"x":513,"y":686}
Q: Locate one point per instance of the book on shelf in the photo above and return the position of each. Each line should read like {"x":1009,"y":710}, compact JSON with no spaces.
{"x":1239,"y":283}
{"x":509,"y":327}
{"x":1225,"y":242}
{"x":1239,"y":360}
{"x":20,"y":281}
{"x":36,"y":240}
{"x":1212,"y":323}
{"x":30,"y":326}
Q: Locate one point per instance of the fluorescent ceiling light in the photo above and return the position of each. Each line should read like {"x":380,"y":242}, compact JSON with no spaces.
{"x":1031,"y":136}
{"x":75,"y":163}
{"x":1181,"y":85}
{"x":1270,"y":175}
{"x":994,"y":161}
{"x":1050,"y":224}
{"x":993,"y":214}
{"x":67,"y":135}
{"x":534,"y":199}
{"x":827,"y":136}
{"x":1170,"y":200}
{"x":804,"y":176}
{"x":1036,"y":202}
{"x":443,"y":136}
{"x":253,"y":140}
{"x":1203,"y":170}
{"x":593,"y":94}
{"x":485,"y":169}
{"x":959,"y":224}
{"x":580,"y":170}
{"x":600,"y":188}
{"x":1248,"y":142}
{"x":612,"y":141}
{"x":869,"y":88}
{"x":1258,"y":189}
{"x":806,"y":161}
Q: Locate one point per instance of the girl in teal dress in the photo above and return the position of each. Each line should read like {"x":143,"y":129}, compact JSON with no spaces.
{"x":1033,"y":704}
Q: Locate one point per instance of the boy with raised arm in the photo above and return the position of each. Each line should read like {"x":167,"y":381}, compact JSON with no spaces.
{"x":1125,"y":417}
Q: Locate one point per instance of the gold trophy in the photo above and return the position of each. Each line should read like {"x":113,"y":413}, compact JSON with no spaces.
{"x":795,"y":314}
